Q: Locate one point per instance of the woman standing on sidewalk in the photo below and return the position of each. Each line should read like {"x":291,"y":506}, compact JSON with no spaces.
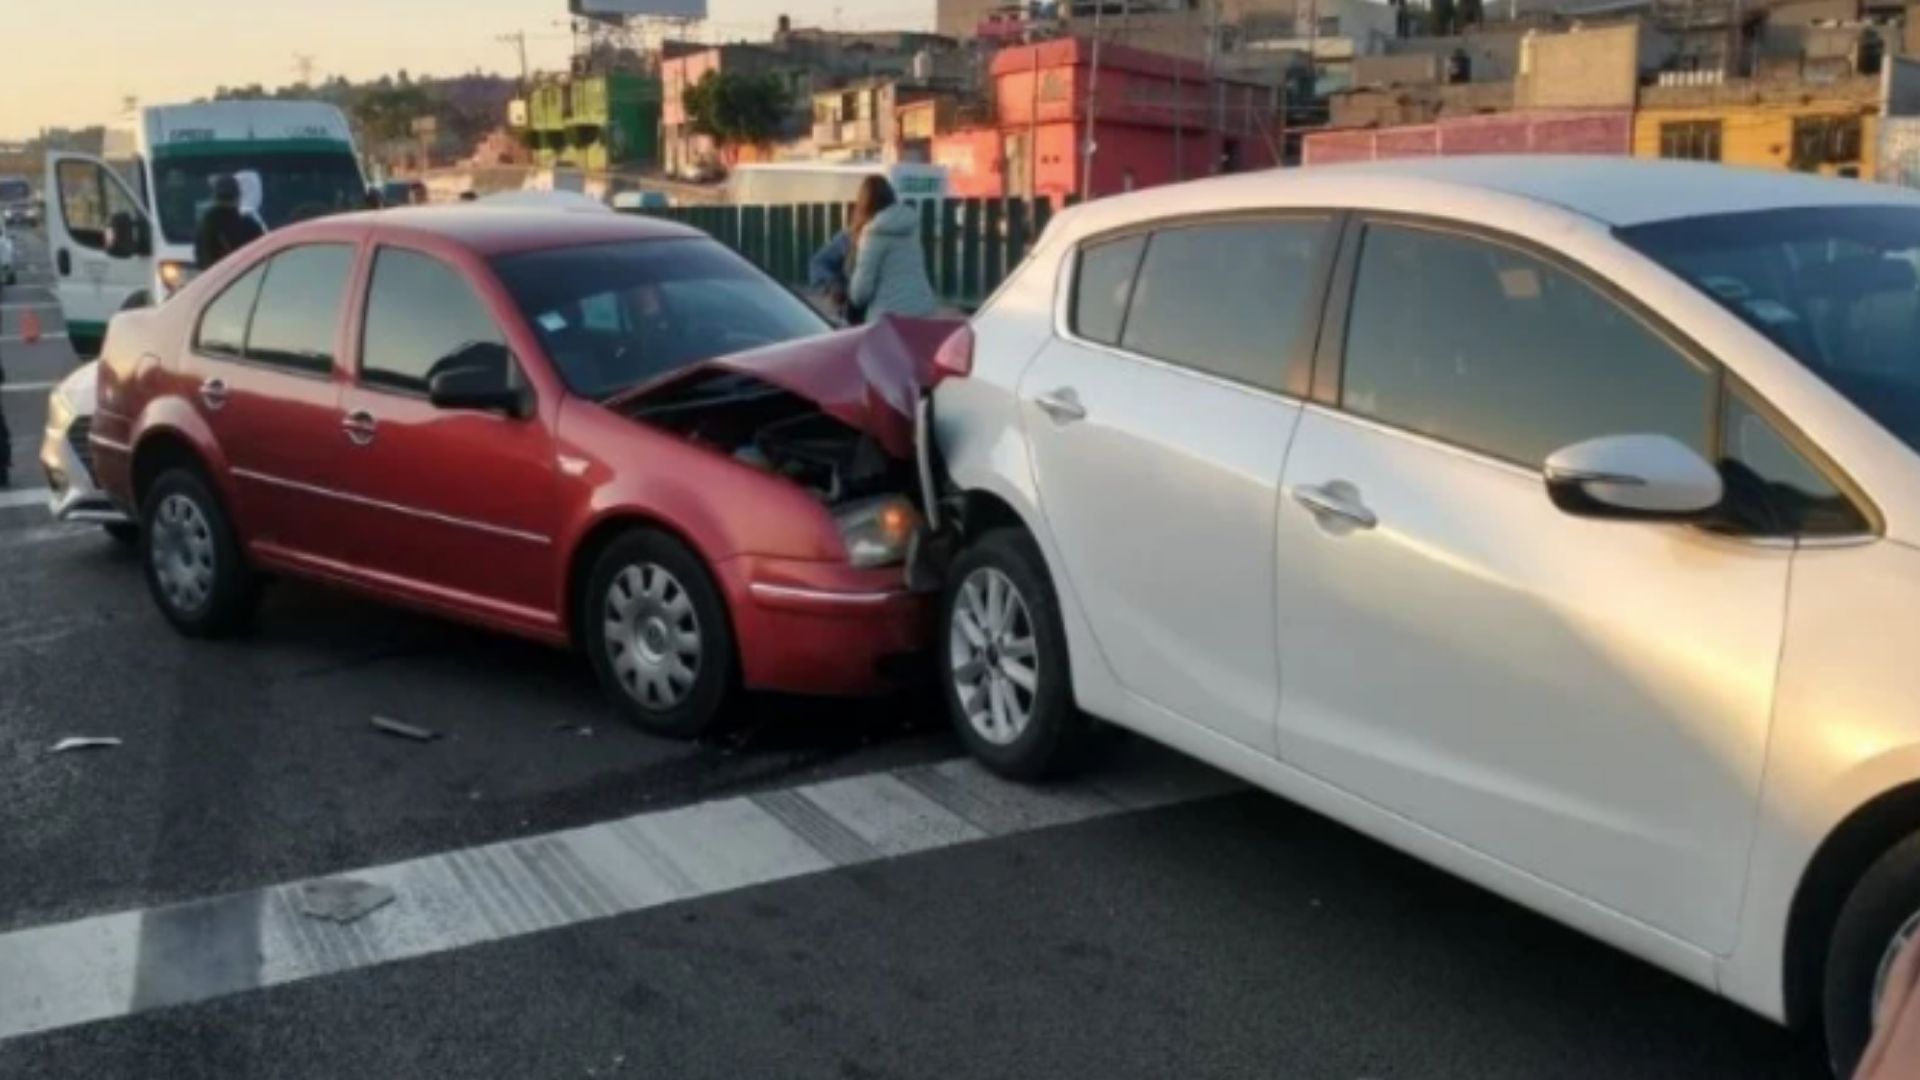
{"x":889,"y":263}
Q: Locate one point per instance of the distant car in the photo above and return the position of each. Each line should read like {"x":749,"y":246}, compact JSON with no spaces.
{"x":1554,"y":520}
{"x":23,"y":215}
{"x":504,"y":417}
{"x":66,"y":456}
{"x":9,"y":270}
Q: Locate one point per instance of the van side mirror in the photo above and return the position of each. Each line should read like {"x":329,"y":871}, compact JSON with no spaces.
{"x":1633,"y":478}
{"x":128,"y":236}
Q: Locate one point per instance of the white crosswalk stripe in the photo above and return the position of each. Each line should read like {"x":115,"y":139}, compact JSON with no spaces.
{"x":113,"y":965}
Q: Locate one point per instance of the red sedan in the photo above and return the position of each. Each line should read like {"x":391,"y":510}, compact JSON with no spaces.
{"x":514,"y":418}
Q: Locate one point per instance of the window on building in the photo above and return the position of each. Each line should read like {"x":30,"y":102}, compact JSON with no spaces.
{"x":1691,"y":140}
{"x":1825,"y":140}
{"x":1485,"y":347}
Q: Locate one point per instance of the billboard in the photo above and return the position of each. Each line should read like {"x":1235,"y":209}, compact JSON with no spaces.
{"x":660,"y":9}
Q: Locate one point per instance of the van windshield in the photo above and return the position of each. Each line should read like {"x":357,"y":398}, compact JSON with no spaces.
{"x":294,"y":186}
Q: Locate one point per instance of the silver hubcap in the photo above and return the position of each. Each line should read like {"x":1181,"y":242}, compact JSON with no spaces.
{"x":182,"y":552}
{"x":653,"y":636}
{"x":994,"y":658}
{"x":1906,"y":933}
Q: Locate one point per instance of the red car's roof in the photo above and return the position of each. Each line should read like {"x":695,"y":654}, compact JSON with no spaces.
{"x":487,"y":232}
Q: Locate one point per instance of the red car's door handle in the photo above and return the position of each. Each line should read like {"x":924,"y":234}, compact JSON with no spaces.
{"x":213,"y":394}
{"x":359,"y":427}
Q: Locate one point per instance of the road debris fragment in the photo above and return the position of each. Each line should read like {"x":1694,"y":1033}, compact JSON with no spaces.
{"x":405,"y":731}
{"x":342,"y":900}
{"x":85,"y":742}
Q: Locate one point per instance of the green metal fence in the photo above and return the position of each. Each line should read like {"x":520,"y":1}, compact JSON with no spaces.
{"x":972,"y":244}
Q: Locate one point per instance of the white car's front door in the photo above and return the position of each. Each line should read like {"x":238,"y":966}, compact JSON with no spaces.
{"x":1158,"y":424}
{"x":92,"y":282}
{"x":1585,"y":700}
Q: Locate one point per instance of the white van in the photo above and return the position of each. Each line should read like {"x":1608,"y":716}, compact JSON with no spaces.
{"x":121,"y":227}
{"x":797,"y":182}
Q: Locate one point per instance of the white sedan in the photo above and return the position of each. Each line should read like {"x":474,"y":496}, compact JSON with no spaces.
{"x":1553,"y":520}
{"x":66,"y":456}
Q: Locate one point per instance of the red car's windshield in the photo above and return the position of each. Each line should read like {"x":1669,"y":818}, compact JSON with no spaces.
{"x":612,"y":316}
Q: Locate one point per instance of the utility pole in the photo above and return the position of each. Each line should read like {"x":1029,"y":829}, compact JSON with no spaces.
{"x":303,"y":66}
{"x":518,"y":39}
{"x":1093,"y":98}
{"x":1215,"y":123}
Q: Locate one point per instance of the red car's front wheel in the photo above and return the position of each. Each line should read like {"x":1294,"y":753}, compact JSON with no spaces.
{"x":657,"y":632}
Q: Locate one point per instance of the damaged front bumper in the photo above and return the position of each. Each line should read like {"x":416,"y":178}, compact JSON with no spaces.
{"x":824,"y":628}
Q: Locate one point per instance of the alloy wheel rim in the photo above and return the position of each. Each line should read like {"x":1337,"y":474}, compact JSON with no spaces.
{"x":1907,"y":932}
{"x":653,"y":636}
{"x":994,"y":657}
{"x":182,"y":553}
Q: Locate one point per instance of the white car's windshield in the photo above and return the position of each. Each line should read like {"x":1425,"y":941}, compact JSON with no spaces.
{"x":1838,"y":287}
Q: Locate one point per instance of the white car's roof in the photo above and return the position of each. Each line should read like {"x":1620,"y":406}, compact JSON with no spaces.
{"x":1615,"y":191}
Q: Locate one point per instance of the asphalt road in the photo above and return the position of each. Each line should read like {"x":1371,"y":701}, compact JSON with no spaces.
{"x":1218,"y":935}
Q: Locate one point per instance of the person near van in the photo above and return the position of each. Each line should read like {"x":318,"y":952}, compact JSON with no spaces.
{"x":889,"y":263}
{"x":827,"y":274}
{"x":224,"y":228}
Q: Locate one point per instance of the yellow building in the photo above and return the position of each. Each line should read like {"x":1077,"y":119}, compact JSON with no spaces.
{"x":1827,"y":128}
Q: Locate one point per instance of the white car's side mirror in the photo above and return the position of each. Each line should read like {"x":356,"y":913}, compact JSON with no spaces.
{"x":1635,"y":477}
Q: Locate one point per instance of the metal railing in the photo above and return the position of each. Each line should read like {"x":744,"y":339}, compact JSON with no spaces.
{"x":971,"y":244}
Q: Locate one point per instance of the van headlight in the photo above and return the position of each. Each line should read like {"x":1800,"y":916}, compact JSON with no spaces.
{"x":877,"y":531}
{"x":174,"y":276}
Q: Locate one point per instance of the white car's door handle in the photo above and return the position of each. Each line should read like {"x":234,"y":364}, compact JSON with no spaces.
{"x":213,"y":394}
{"x":1062,"y":404}
{"x":1326,"y":502}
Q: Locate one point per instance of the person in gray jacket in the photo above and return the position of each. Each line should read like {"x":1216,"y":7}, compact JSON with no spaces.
{"x":889,"y":263}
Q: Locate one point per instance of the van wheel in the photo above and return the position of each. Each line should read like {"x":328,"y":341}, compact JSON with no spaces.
{"x":657,"y":632}
{"x":1880,"y":917}
{"x":194,"y":567}
{"x":1004,"y":663}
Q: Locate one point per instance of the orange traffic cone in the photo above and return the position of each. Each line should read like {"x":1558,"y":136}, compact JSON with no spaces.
{"x":30,"y":327}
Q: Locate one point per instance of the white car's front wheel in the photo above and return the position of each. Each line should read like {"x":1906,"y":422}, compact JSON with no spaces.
{"x":1004,"y":662}
{"x":1880,"y":918}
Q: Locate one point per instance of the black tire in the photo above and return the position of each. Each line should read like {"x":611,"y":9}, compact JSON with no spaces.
{"x":232,"y":591}
{"x":1056,"y":734}
{"x":124,"y":533}
{"x":645,"y":684}
{"x":1887,"y":897}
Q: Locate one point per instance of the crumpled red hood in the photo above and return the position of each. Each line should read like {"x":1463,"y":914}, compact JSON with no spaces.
{"x":869,"y":377}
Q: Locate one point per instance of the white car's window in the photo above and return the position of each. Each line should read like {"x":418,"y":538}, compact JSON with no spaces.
{"x":298,"y":315}
{"x":1773,"y":489}
{"x":1102,"y":287}
{"x":1491,"y":349}
{"x":1229,"y":299}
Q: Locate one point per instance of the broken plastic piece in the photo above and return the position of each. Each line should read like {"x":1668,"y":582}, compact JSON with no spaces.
{"x":405,"y":731}
{"x":342,"y":900}
{"x":85,"y":742}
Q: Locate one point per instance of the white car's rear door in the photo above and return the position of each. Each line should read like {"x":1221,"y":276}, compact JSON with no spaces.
{"x":1158,"y":422}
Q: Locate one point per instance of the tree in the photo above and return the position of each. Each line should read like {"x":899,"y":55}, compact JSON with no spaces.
{"x":734,"y":108}
{"x":1443,"y":16}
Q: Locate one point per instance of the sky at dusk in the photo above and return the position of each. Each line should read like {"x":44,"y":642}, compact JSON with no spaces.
{"x":71,"y":63}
